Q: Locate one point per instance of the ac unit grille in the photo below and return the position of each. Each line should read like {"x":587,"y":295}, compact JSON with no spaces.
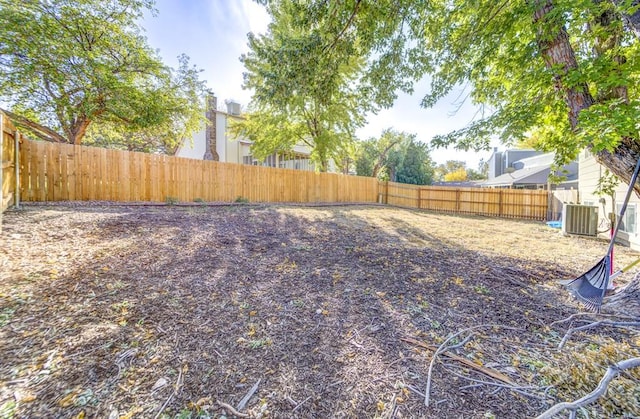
{"x":580,"y":219}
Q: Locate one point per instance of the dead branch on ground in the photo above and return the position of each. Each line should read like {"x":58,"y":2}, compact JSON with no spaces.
{"x":592,"y":315}
{"x":612,"y":372}
{"x":485,"y":370}
{"x":572,"y":330}
{"x":232,"y":410}
{"x":444,"y":347}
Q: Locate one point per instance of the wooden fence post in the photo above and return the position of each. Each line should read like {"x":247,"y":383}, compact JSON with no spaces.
{"x":500,"y":202}
{"x":1,"y":168}
{"x":419,"y":197}
{"x":16,"y":162}
{"x":386,"y":193}
{"x":458,"y":193}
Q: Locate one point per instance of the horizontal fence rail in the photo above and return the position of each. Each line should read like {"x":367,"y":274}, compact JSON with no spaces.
{"x":60,"y":172}
{"x":64,"y":172}
{"x":507,"y":203}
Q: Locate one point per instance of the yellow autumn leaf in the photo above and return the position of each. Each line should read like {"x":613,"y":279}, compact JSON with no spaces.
{"x":80,"y":415}
{"x":68,"y":400}
{"x":253,"y":313}
{"x":380,"y":405}
{"x":131,"y":413}
{"x":26,"y":397}
{"x":203,"y":401}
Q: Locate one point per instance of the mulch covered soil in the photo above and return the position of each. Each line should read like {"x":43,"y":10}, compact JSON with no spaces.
{"x":311,"y":312}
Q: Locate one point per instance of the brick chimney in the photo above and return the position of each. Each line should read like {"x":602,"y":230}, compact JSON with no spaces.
{"x":211,"y":140}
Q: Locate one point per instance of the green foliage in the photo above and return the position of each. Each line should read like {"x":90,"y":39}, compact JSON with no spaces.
{"x":607,"y":185}
{"x":171,"y":200}
{"x":395,"y":156}
{"x":306,"y":88}
{"x":502,"y":52}
{"x":70,"y":64}
{"x":242,"y":200}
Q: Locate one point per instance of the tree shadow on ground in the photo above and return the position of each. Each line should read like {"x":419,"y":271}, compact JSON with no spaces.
{"x":185,"y":306}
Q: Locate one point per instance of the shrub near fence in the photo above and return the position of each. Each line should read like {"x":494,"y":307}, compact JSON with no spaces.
{"x":59,"y":172}
{"x":507,"y":203}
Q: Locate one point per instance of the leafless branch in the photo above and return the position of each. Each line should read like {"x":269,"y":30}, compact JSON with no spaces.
{"x":572,"y":330}
{"x":584,"y":314}
{"x":612,"y":372}
{"x":176,"y":388}
{"x":247,"y":397}
{"x":444,"y":347}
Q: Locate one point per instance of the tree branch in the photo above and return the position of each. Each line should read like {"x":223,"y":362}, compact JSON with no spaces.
{"x":40,"y":131}
{"x":346,"y":26}
{"x":612,"y":372}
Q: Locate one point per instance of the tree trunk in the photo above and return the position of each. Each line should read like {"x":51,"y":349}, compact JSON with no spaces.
{"x":381,"y":158}
{"x":559,"y":56}
{"x":78,"y":130}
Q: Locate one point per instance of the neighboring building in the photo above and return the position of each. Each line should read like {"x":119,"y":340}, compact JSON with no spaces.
{"x":460,"y":184}
{"x":501,"y":162}
{"x":531,"y":172}
{"x":214,"y":143}
{"x":590,"y":173}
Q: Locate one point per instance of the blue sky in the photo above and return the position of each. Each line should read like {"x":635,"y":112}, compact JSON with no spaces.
{"x":213,"y":33}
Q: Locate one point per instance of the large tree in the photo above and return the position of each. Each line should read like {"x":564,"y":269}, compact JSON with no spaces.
{"x":307,"y":87}
{"x":68,"y":64}
{"x":564,"y":70}
{"x":395,"y":156}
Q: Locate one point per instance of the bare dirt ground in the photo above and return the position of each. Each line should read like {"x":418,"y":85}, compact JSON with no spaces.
{"x":142,"y":311}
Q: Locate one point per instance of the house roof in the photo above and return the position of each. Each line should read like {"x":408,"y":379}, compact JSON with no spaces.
{"x":526,"y":176}
{"x":532,"y":171}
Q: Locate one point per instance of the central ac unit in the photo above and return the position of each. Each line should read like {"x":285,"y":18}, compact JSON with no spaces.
{"x":580,"y":219}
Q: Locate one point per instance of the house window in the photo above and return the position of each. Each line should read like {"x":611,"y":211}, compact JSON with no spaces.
{"x":629,"y":224}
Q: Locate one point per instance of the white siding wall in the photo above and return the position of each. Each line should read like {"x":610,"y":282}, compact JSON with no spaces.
{"x":590,"y":172}
{"x":230,"y":150}
{"x":194,"y":148}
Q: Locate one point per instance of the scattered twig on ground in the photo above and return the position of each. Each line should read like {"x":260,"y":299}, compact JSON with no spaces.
{"x":485,"y":370}
{"x":243,"y":403}
{"x":612,"y":372}
{"x":176,"y":388}
{"x":443,"y":348}
{"x":232,"y":410}
{"x":88,"y":351}
{"x":571,"y":331}
{"x":585,"y":314}
{"x":499,"y":386}
{"x":300,"y":404}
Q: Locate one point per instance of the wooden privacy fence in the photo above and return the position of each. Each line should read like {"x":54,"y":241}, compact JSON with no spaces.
{"x":60,"y":172}
{"x":508,"y":203}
